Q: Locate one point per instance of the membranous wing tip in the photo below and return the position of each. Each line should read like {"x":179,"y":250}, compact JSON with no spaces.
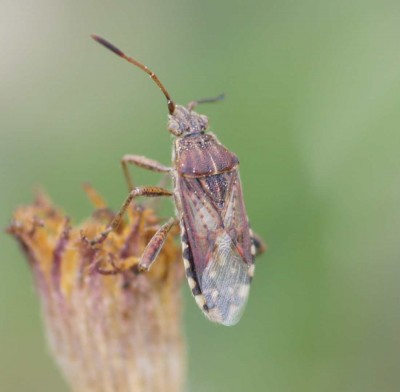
{"x":225,"y":283}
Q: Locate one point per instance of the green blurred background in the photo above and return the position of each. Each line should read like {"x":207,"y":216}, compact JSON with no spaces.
{"x":312,"y":110}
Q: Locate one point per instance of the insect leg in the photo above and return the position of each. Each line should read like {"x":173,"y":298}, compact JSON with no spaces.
{"x":148,"y":191}
{"x":115,"y":269}
{"x":191,"y":105}
{"x":143,"y":162}
{"x":259,"y":245}
{"x":155,"y":245}
{"x":125,"y":265}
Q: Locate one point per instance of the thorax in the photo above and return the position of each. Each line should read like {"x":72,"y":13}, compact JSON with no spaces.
{"x":202,"y":154}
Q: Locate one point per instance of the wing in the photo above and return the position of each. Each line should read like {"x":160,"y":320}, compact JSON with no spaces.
{"x":217,"y":246}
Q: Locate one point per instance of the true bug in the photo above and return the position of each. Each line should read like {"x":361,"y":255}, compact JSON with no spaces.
{"x":217,"y":243}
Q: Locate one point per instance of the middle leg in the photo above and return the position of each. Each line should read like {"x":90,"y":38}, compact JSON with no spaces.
{"x":148,"y":191}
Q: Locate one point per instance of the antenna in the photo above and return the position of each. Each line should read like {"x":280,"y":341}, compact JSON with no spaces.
{"x":108,"y":45}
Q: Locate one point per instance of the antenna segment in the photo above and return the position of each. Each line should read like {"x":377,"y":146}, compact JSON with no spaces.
{"x":118,"y":52}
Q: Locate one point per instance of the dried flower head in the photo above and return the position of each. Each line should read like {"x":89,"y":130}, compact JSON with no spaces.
{"x":110,"y":328}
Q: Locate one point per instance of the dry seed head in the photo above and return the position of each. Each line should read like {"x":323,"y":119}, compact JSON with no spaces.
{"x":108,"y":333}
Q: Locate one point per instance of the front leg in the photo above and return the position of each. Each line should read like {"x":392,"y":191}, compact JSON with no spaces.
{"x":143,"y":162}
{"x":148,"y":191}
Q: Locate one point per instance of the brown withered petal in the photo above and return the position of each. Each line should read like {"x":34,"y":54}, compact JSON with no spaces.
{"x":110,"y":329}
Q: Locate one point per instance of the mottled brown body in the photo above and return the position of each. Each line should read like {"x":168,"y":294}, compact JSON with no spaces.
{"x":216,"y":238}
{"x":217,"y":243}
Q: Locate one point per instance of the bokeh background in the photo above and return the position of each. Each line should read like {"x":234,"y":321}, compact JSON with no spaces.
{"x":313,"y":111}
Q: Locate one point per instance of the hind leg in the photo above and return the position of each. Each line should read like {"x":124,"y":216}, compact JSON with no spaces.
{"x":258,"y":246}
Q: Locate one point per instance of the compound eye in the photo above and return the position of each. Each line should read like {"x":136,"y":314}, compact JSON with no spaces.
{"x":174,"y":128}
{"x":204,"y":122}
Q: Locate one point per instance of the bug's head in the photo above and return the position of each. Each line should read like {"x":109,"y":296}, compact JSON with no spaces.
{"x":183,"y":122}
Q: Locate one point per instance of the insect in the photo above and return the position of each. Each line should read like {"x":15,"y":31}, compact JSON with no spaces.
{"x":217,"y":243}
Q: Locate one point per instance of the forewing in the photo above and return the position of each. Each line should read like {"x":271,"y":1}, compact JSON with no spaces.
{"x":217,"y":245}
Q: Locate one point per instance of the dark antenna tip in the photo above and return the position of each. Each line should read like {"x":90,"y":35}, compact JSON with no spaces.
{"x":153,"y":76}
{"x":220,"y":97}
{"x":108,"y":45}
